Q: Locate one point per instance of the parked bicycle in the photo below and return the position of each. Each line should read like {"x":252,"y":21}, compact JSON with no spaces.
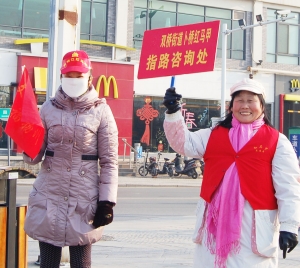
{"x":145,"y":169}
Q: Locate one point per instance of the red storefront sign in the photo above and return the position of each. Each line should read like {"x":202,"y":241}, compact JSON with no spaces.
{"x":117,"y":88}
{"x":179,"y":50}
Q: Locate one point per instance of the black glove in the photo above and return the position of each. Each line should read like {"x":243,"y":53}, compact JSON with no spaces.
{"x":172,"y":100}
{"x":287,"y":240}
{"x":104,"y":214}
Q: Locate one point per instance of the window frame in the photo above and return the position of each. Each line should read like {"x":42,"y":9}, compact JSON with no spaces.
{"x":90,"y":33}
{"x":278,"y":54}
{"x":139,"y":37}
{"x":23,"y":31}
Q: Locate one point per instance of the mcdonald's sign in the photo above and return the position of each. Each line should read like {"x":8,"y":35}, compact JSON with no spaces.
{"x":106,"y":83}
{"x":295,"y":85}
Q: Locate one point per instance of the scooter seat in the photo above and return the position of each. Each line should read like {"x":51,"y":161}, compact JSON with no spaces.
{"x":188,"y":161}
{"x":166,"y":159}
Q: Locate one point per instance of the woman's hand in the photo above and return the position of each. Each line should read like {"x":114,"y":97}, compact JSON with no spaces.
{"x":104,"y":214}
{"x":172,"y":100}
{"x":287,"y":240}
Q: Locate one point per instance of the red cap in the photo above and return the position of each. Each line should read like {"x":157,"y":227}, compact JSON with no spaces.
{"x":75,"y":61}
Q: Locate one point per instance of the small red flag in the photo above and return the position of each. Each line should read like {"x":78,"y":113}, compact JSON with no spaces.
{"x":24,"y":124}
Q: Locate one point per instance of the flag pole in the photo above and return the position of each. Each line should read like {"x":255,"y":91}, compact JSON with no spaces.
{"x":8,"y":148}
{"x":172,"y":81}
{"x":8,"y":137}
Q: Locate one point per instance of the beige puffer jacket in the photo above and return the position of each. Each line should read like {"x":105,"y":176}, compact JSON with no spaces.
{"x":63,"y":201}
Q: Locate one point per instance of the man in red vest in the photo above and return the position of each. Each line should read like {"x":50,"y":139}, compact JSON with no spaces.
{"x":250,"y":196}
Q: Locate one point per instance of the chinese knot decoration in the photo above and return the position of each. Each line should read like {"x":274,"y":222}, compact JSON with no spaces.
{"x":147,"y":113}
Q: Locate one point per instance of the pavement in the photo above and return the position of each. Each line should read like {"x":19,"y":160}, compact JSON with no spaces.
{"x":148,"y":242}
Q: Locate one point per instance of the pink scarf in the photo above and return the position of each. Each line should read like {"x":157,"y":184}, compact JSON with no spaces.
{"x":224,"y":215}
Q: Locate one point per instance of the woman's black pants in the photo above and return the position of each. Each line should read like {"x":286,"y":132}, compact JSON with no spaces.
{"x":80,"y":256}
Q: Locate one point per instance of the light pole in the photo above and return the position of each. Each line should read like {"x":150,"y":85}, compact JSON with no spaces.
{"x":226,"y":32}
{"x":150,"y":15}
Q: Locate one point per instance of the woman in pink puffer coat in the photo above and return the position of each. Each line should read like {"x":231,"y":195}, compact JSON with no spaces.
{"x":69,"y":201}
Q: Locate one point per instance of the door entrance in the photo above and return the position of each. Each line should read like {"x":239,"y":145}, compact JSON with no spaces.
{"x":6,"y":100}
{"x":291,"y":115}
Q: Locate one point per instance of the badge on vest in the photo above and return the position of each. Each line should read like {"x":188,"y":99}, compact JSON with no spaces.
{"x":260,"y":149}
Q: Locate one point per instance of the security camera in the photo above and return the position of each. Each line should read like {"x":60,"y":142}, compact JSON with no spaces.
{"x":282,"y":13}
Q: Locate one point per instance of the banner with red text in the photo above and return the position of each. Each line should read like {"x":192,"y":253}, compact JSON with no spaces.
{"x":179,"y":50}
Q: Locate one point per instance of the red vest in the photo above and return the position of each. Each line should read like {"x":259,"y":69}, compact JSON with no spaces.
{"x":253,"y":162}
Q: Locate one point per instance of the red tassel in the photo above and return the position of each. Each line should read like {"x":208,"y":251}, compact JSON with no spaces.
{"x":146,"y":135}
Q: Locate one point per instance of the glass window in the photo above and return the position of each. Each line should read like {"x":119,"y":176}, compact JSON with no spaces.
{"x":10,"y":17}
{"x":159,"y":19}
{"x":159,"y":16}
{"x":85,"y":18}
{"x":93,"y":20}
{"x":218,"y":13}
{"x":184,"y":19}
{"x":36,"y":14}
{"x":10,"y":14}
{"x":191,"y":9}
{"x":30,"y":18}
{"x":162,"y":5}
{"x":283,"y":39}
{"x":189,"y":14}
{"x":219,"y":48}
{"x":287,"y":59}
{"x":98,"y":21}
{"x":237,"y":42}
{"x":139,"y":27}
{"x":271,"y":14}
{"x":293,"y":39}
{"x":271,"y":36}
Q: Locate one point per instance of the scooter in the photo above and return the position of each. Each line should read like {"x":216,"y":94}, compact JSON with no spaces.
{"x":168,"y":168}
{"x":154,"y":168}
{"x":189,"y":167}
{"x":202,"y":165}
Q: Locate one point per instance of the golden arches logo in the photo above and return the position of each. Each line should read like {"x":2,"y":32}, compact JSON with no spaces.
{"x":106,"y":83}
{"x":295,"y":85}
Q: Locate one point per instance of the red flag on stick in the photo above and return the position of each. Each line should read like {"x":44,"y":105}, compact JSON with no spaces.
{"x":24,"y":124}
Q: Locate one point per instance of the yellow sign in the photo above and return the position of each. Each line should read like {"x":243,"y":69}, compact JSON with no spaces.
{"x":295,"y":85}
{"x":107,"y":83}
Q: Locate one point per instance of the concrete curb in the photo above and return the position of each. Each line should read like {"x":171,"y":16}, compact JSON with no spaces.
{"x":144,"y":182}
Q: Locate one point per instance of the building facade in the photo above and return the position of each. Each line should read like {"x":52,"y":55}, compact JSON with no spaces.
{"x":112,"y":33}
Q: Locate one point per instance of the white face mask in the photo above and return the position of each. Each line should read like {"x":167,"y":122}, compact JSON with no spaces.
{"x":74,"y":87}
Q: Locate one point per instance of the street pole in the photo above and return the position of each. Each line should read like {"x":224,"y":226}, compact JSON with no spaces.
{"x":223,"y":74}
{"x":52,"y":54}
{"x":225,"y":33}
{"x":64,"y":36}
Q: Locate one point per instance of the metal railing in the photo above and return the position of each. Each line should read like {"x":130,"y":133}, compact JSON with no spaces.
{"x":131,"y":149}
